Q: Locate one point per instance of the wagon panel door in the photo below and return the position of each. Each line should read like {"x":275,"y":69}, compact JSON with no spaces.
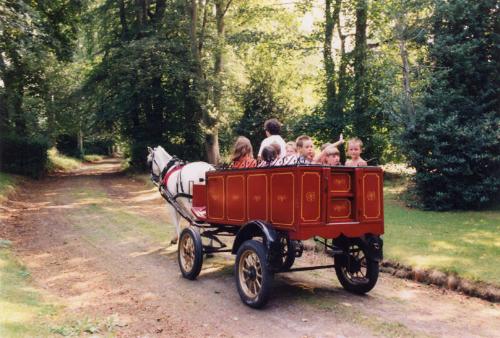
{"x":370,"y":195}
{"x":282,"y":199}
{"x":235,"y":198}
{"x":257,"y":196}
{"x":310,"y":197}
{"x":215,"y":197}
{"x":341,"y":202}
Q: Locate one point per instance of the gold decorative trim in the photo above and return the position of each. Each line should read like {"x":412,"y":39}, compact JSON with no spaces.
{"x":350,"y":209}
{"x":302,"y":197}
{"x":248,"y":197}
{"x":227,"y":199}
{"x":293,"y":196}
{"x":378,"y":196}
{"x":223,"y":196}
{"x":349,"y":181}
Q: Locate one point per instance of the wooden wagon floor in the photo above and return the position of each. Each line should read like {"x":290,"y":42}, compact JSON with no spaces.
{"x":97,"y":241}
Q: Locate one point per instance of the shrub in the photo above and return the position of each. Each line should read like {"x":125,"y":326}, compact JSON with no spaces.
{"x":23,"y":156}
{"x":98,"y":146}
{"x":138,"y":153}
{"x":454,"y":144}
{"x":68,"y":145}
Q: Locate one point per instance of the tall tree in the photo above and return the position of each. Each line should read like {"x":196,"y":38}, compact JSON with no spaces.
{"x":455,"y":142}
{"x":360,"y":118}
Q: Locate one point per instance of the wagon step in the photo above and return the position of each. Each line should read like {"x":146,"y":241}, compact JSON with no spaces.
{"x":307,"y":268}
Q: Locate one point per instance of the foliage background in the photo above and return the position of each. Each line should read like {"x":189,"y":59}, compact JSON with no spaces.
{"x":416,"y":80}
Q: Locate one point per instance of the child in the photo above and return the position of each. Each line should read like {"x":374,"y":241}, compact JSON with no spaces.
{"x":242,"y":154}
{"x":290,"y":155}
{"x":272,"y":128}
{"x":354,"y":149}
{"x":305,"y":148}
{"x":269,"y":156}
{"x":291,"y":149}
{"x":329,"y":156}
{"x":335,"y":144}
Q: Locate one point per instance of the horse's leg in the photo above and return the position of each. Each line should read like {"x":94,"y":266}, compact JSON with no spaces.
{"x":176,"y":222}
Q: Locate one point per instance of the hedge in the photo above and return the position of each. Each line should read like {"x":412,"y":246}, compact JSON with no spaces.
{"x":23,"y":156}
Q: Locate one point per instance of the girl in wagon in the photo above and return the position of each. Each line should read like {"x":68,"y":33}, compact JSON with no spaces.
{"x":270,"y":155}
{"x":243,"y":154}
{"x":354,"y":150}
{"x":290,"y":156}
{"x":329,"y":156}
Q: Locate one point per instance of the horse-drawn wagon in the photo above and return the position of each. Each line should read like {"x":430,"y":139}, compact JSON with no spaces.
{"x":270,"y":211}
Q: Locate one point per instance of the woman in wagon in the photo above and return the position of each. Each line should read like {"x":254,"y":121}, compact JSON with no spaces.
{"x":243,"y":154}
{"x":272,"y":127}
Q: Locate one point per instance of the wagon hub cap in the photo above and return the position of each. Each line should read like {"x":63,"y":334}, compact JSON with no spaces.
{"x":187,"y":252}
{"x":250,"y":270}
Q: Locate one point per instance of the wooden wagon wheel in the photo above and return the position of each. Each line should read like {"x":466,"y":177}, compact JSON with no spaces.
{"x":190,"y":253}
{"x":288,"y":253}
{"x":356,"y":272}
{"x":253,"y":277}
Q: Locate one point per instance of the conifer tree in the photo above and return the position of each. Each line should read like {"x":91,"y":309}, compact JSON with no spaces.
{"x":455,"y":142}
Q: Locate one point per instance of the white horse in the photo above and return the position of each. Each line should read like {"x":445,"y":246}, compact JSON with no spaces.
{"x":179,"y":179}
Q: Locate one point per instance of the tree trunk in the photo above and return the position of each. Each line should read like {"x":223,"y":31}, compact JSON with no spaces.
{"x":80,"y":141}
{"x":212,"y":138}
{"x":361,"y":123}
{"x":342,"y":76}
{"x":328,"y":58}
{"x":123,"y":20}
{"x":408,"y":108}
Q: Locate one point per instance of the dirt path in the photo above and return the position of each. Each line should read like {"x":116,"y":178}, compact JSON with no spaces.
{"x":98,"y":240}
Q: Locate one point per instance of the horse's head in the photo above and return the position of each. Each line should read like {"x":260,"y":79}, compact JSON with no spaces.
{"x":157,"y":159}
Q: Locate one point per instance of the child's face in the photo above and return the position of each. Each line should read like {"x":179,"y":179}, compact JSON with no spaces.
{"x":333,"y":159}
{"x":290,"y":151}
{"x":307,"y":149}
{"x":354,"y":150}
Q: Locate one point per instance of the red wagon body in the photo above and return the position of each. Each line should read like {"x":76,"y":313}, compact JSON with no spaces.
{"x":304,"y":201}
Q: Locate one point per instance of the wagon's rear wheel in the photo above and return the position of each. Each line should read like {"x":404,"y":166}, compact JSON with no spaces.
{"x":190,"y":253}
{"x":288,"y":253}
{"x":355,"y":270}
{"x":253,"y":278}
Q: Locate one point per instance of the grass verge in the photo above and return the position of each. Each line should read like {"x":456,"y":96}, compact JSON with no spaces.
{"x":59,"y":162}
{"x":92,"y":158}
{"x":24,"y":311}
{"x":7,"y":185}
{"x":466,"y":243}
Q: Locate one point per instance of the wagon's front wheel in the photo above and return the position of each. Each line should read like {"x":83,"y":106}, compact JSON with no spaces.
{"x":190,"y":253}
{"x":356,"y":272}
{"x":253,"y":278}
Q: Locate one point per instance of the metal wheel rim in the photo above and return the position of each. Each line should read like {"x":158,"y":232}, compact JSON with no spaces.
{"x":187,"y":252}
{"x":250,"y":274}
{"x":284,"y":246}
{"x":360,"y":276}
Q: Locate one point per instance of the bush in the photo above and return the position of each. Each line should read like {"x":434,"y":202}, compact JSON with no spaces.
{"x":23,"y":156}
{"x":454,"y":144}
{"x":138,"y":153}
{"x":68,"y":145}
{"x":98,"y":146}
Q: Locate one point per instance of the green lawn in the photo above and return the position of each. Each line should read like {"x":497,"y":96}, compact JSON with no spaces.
{"x":467,"y":243}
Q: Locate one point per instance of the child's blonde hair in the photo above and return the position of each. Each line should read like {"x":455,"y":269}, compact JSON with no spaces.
{"x":355,"y":140}
{"x":242,"y":147}
{"x":292,"y":144}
